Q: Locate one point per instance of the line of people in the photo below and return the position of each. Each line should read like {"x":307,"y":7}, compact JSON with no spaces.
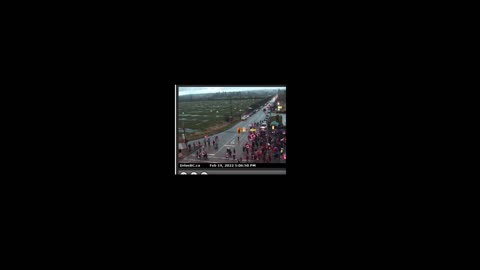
{"x":206,"y":143}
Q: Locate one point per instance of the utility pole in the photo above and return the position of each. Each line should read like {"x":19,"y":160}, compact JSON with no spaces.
{"x":183,"y":124}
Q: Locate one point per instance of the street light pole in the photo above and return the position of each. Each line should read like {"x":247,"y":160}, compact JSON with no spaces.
{"x":183,"y":125}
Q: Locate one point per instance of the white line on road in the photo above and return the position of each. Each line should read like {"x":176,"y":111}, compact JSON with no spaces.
{"x":224,"y":145}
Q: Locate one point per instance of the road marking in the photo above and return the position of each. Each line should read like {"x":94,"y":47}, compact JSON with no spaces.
{"x":224,"y":145}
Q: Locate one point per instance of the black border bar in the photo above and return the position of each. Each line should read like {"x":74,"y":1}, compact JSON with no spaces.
{"x":231,"y":165}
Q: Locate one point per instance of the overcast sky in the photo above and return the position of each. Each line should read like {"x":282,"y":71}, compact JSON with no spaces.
{"x":204,"y":90}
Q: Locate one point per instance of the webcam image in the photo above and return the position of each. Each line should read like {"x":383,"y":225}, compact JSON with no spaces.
{"x":231,"y":130}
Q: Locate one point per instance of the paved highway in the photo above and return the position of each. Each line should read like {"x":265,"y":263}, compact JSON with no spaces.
{"x":227,"y":139}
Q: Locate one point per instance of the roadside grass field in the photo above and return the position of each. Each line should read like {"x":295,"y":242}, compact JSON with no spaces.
{"x":207,"y":117}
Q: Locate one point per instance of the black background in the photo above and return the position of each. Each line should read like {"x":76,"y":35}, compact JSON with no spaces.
{"x":107,"y":127}
{"x":110,"y":127}
{"x":118,"y":119}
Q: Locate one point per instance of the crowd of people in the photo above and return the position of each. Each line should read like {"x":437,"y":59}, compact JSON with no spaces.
{"x":262,"y":146}
{"x":201,"y":149}
{"x":265,"y":146}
